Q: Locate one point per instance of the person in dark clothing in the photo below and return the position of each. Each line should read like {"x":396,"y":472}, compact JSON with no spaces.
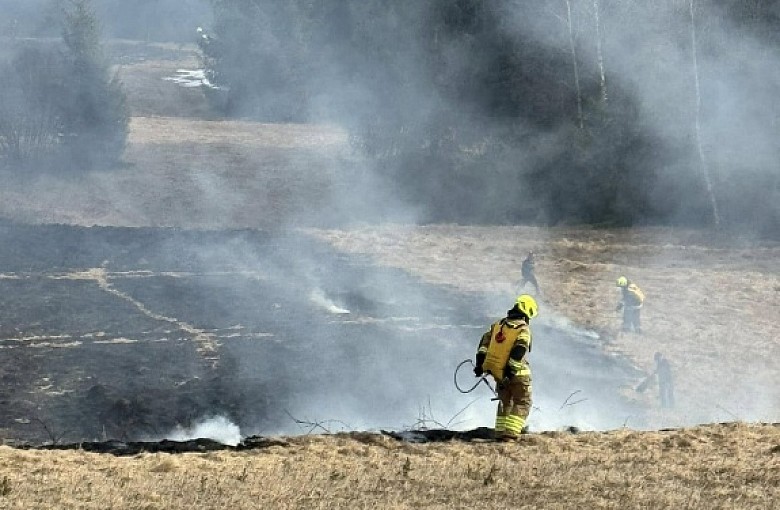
{"x":663,"y":370}
{"x":527,"y":272}
{"x":632,"y":299}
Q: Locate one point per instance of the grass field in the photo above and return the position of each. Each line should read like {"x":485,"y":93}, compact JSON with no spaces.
{"x":713,"y":307}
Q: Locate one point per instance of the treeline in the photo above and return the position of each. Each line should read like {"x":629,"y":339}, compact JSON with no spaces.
{"x":596,"y":111}
{"x":60,"y":106}
{"x":144,"y":20}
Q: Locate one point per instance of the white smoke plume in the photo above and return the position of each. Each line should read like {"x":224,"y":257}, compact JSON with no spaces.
{"x":217,"y":428}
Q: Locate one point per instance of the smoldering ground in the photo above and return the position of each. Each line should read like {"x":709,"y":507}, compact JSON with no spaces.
{"x":697,"y":80}
{"x":376,"y":349}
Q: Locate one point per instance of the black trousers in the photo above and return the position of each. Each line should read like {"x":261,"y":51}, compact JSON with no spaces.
{"x":529,"y":278}
{"x":631,"y":319}
{"x":666,"y":392}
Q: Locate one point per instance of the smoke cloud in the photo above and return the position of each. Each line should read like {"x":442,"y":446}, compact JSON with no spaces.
{"x":219,"y":429}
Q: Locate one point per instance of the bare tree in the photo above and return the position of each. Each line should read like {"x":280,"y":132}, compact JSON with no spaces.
{"x":697,"y":121}
{"x":600,"y":53}
{"x":573,"y":49}
{"x":29,"y":123}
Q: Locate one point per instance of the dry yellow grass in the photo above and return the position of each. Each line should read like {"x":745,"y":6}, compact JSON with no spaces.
{"x":719,"y":466}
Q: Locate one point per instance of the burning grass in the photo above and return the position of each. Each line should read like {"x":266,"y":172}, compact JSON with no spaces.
{"x":718,"y":466}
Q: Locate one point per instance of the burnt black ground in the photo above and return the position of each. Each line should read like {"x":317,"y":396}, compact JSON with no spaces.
{"x":67,"y":373}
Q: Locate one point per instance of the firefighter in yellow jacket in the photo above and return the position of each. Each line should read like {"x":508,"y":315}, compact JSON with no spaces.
{"x":631,"y":302}
{"x":502,"y":354}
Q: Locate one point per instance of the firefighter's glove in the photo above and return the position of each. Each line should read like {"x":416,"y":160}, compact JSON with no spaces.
{"x":478,"y":371}
{"x":619,"y":307}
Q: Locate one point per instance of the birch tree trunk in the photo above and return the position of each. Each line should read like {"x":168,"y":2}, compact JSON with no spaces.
{"x":702,"y":160}
{"x":599,"y":53}
{"x":573,"y":50}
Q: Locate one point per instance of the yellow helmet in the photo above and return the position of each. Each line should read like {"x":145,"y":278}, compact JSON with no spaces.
{"x":527,"y":305}
{"x":622,"y":281}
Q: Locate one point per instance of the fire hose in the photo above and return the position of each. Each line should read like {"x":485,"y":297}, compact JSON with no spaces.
{"x":481,"y":379}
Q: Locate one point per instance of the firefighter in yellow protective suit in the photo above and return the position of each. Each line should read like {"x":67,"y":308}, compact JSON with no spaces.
{"x":502,"y":354}
{"x":631,"y":302}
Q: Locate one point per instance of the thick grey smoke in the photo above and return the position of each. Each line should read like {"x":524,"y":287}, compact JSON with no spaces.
{"x":647,"y":52}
